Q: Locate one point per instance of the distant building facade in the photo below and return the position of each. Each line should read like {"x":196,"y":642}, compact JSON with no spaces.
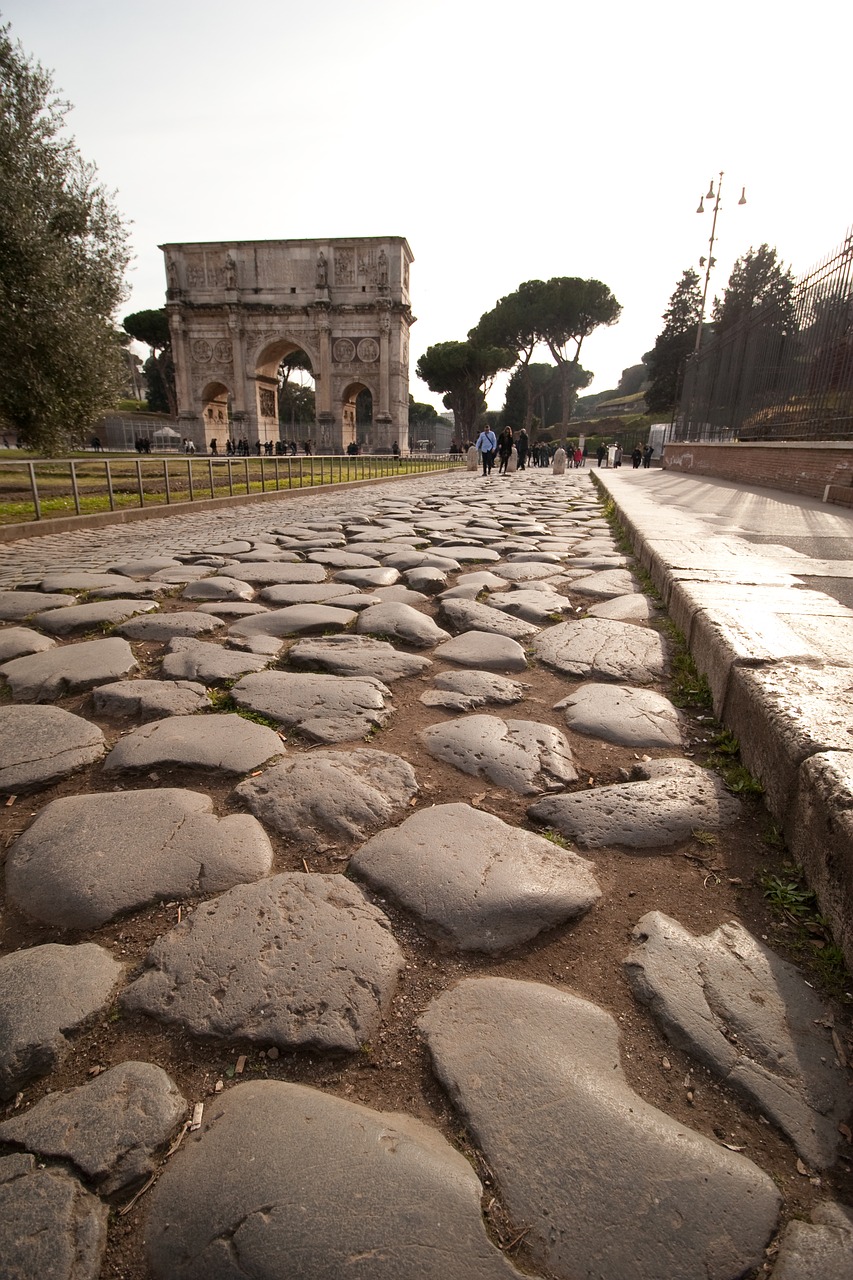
{"x":237,"y":308}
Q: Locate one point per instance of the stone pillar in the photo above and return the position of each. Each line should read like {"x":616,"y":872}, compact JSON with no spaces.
{"x":238,"y":350}
{"x":328,"y":428}
{"x":383,"y":421}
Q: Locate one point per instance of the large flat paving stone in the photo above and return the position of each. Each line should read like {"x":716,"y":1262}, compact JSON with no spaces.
{"x":602,"y":649}
{"x":318,"y":1187}
{"x":294,"y":620}
{"x":525,"y":571}
{"x":87,"y":859}
{"x":470,"y":615}
{"x":190,"y":659}
{"x":344,"y":795}
{"x":539,"y":606}
{"x":150,"y":699}
{"x":143,"y":567}
{"x":324,"y":708}
{"x":606,"y":585}
{"x":607,"y":1185}
{"x":49,"y":1224}
{"x":484,"y":651}
{"x":357,"y":656}
{"x":343,"y":559}
{"x":166,"y":626}
{"x":632,"y":608}
{"x":17,"y":642}
{"x":40,"y":745}
{"x":285,"y":593}
{"x":46,"y":994}
{"x":473,"y":881}
{"x":467,"y":690}
{"x":403,"y":622}
{"x":749,"y":1017}
{"x":109,"y":1128}
{"x":661,"y":808}
{"x":468,"y":555}
{"x":227,"y":743}
{"x":70,"y":668}
{"x":297,"y":961}
{"x":620,"y":714}
{"x":218,"y":589}
{"x":67,"y":580}
{"x":87,"y":617}
{"x":264,"y":574}
{"x":15,"y":605}
{"x":522,"y":755}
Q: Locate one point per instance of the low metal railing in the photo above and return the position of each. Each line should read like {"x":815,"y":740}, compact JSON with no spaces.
{"x":39,"y":489}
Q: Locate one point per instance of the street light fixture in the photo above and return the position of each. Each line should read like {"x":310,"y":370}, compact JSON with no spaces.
{"x":711,"y":260}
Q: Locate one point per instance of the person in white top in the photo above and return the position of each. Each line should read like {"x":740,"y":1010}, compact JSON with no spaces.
{"x":487,"y":446}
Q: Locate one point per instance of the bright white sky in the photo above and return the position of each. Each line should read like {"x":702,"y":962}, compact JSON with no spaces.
{"x":507,"y":142}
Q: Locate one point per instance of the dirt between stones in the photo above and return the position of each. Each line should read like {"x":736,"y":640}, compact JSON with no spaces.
{"x":700,"y":884}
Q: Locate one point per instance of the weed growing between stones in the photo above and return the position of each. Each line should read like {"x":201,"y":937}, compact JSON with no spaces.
{"x":725,"y":758}
{"x":556,"y":838}
{"x":795,"y":907}
{"x":222,"y":703}
{"x":688,"y":689}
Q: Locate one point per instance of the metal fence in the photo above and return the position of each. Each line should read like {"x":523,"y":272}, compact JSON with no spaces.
{"x":41,"y":489}
{"x":783,"y":372}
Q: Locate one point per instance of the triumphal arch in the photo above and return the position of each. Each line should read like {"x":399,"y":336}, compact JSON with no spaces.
{"x":237,"y":308}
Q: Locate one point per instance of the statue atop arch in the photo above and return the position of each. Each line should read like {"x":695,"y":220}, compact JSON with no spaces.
{"x":344,"y":303}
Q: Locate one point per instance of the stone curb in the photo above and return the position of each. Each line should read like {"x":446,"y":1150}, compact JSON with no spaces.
{"x":773,"y":657}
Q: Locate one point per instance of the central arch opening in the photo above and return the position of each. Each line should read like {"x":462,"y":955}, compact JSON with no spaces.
{"x":297,"y":404}
{"x":286,"y":397}
{"x":357,"y":417}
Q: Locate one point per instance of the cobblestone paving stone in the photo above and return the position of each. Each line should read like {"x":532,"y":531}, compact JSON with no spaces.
{"x":437,"y":1005}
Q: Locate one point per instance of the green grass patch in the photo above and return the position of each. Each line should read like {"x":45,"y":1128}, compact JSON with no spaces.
{"x":795,"y":906}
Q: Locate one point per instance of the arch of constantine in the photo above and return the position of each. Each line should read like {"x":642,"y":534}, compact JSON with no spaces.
{"x":237,"y":308}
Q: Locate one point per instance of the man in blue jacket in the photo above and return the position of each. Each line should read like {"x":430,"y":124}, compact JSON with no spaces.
{"x":487,"y":447}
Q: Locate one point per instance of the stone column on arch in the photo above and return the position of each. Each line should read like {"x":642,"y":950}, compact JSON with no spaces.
{"x":383,"y":421}
{"x":328,"y":428}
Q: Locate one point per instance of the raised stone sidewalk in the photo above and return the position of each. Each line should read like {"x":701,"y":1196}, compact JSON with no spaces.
{"x":359,"y":915}
{"x":761,"y":586}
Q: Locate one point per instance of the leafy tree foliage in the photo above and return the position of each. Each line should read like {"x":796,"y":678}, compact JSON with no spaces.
{"x":514,"y":323}
{"x":296,"y":398}
{"x":464,"y":371}
{"x":758,"y":282}
{"x":152,"y":328}
{"x":632,"y":380}
{"x":674,"y":344}
{"x":570,"y":309}
{"x":63,"y":254}
{"x":533,"y":385}
{"x":421,"y":412}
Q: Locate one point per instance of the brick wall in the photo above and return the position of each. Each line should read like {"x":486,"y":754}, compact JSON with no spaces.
{"x":796,"y":467}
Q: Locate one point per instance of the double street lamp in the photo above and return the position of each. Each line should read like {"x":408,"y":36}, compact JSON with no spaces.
{"x":711,"y":260}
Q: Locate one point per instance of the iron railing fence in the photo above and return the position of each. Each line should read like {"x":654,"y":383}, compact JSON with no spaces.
{"x":45,"y":488}
{"x":784,"y":372}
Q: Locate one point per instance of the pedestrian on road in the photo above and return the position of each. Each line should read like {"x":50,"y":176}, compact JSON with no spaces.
{"x":601,"y":453}
{"x":617,"y":454}
{"x":504,"y":449}
{"x":648,"y":454}
{"x":487,"y":447}
{"x":522,"y":444}
{"x":636,"y":456}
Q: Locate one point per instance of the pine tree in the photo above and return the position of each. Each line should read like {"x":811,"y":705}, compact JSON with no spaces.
{"x":674,"y":344}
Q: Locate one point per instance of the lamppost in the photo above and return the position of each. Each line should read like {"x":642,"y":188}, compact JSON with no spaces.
{"x":711,"y":260}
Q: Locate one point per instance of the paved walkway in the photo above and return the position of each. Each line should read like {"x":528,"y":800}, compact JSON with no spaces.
{"x":213,"y":715}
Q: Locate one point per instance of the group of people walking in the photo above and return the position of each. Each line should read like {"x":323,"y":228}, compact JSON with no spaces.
{"x":515,"y":452}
